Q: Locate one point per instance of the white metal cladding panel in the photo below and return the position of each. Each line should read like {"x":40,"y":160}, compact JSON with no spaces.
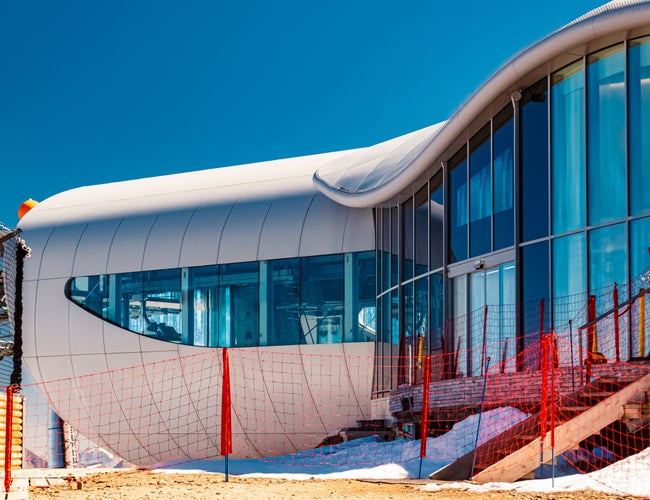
{"x":148,"y":344}
{"x":55,"y":368}
{"x":323,"y":229}
{"x":163,"y":247}
{"x":241,"y":234}
{"x":200,"y":244}
{"x":60,"y":250}
{"x":29,"y":318}
{"x":121,"y":363}
{"x":280,"y":237}
{"x":36,"y":239}
{"x":37,"y":226}
{"x":359,"y":231}
{"x":86,"y":364}
{"x":118,"y":340}
{"x":127,"y":247}
{"x":51,"y":318}
{"x":86,"y":331}
{"x":92,"y":252}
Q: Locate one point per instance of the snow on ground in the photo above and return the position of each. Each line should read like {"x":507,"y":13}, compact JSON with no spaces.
{"x":369,"y":458}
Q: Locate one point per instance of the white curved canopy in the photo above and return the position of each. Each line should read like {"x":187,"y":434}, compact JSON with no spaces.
{"x":252,"y":212}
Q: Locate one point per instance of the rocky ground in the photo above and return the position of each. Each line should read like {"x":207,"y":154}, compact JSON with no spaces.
{"x":140,"y":484}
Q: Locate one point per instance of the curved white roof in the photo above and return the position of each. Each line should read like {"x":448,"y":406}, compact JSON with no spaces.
{"x":253,"y":212}
{"x":379,"y":173}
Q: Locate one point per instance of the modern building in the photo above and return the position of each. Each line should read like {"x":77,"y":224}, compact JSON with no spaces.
{"x":536,"y":188}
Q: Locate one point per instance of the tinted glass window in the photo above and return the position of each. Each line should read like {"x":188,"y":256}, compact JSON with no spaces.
{"x":569,"y":281}
{"x":534,"y":163}
{"x":568,"y":147}
{"x":607,"y":141}
{"x":480,"y":197}
{"x":639,"y":116}
{"x":504,"y":222}
{"x":458,"y":211}
{"x":437,"y":219}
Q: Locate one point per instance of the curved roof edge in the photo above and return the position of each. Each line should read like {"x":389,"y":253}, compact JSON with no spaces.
{"x":395,"y":170}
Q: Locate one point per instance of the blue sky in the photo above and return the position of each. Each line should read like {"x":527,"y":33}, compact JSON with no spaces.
{"x":96,"y":92}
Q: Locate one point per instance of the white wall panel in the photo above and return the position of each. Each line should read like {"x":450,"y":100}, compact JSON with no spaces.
{"x":92,"y":252}
{"x":60,"y":251}
{"x":200,"y":245}
{"x":85,"y":364}
{"x":241,"y":234}
{"x":124,"y":362}
{"x":280,"y":235}
{"x":163,"y":245}
{"x":127,"y":247}
{"x":118,"y":340}
{"x":359,"y":233}
{"x":29,"y":318}
{"x":86,"y":331}
{"x":51,"y":321}
{"x":148,"y":344}
{"x":55,"y":368}
{"x":322,"y":232}
{"x":36,"y":240}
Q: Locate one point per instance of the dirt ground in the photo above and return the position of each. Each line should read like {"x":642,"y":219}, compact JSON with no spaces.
{"x":139,"y":484}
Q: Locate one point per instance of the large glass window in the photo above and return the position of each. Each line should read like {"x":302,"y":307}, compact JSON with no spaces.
{"x":607,"y":257}
{"x":504,"y":222}
{"x":480,"y":197}
{"x":203,"y":302}
{"x":322,"y":299}
{"x":458,"y":208}
{"x":607,"y":140}
{"x":458,"y":346}
{"x":437,"y":221}
{"x":534,"y":163}
{"x":493,"y":318}
{"x":408,"y":236}
{"x":639,"y":251}
{"x":285,"y":325}
{"x":394,"y":246}
{"x":421,"y":231}
{"x":437,"y":310}
{"x":569,"y":281}
{"x":568,"y":148}
{"x":535,"y":287}
{"x":385,"y":249}
{"x":360,"y":299}
{"x":639,"y":120}
{"x":279,"y":302}
{"x":239,"y":304}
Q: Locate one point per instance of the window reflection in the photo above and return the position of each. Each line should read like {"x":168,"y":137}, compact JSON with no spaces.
{"x":480,"y":196}
{"x":568,"y":153}
{"x":504,"y":219}
{"x":607,"y":140}
{"x":280,"y":302}
{"x":437,"y":220}
{"x":534,"y":163}
{"x":639,"y":123}
{"x":569,"y":279}
{"x":458,"y":209}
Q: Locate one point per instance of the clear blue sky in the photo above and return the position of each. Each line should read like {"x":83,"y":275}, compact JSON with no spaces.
{"x":94,"y":92}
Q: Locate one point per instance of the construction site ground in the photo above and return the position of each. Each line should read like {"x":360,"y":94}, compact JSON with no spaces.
{"x":142,"y":484}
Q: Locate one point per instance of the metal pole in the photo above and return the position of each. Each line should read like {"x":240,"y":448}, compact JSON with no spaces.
{"x":616,"y":327}
{"x":642,"y":322}
{"x":425,"y":412}
{"x":478,"y":427}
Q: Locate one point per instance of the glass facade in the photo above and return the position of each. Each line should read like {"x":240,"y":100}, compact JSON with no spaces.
{"x":310,"y":300}
{"x":568,"y":148}
{"x":542,"y":207}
